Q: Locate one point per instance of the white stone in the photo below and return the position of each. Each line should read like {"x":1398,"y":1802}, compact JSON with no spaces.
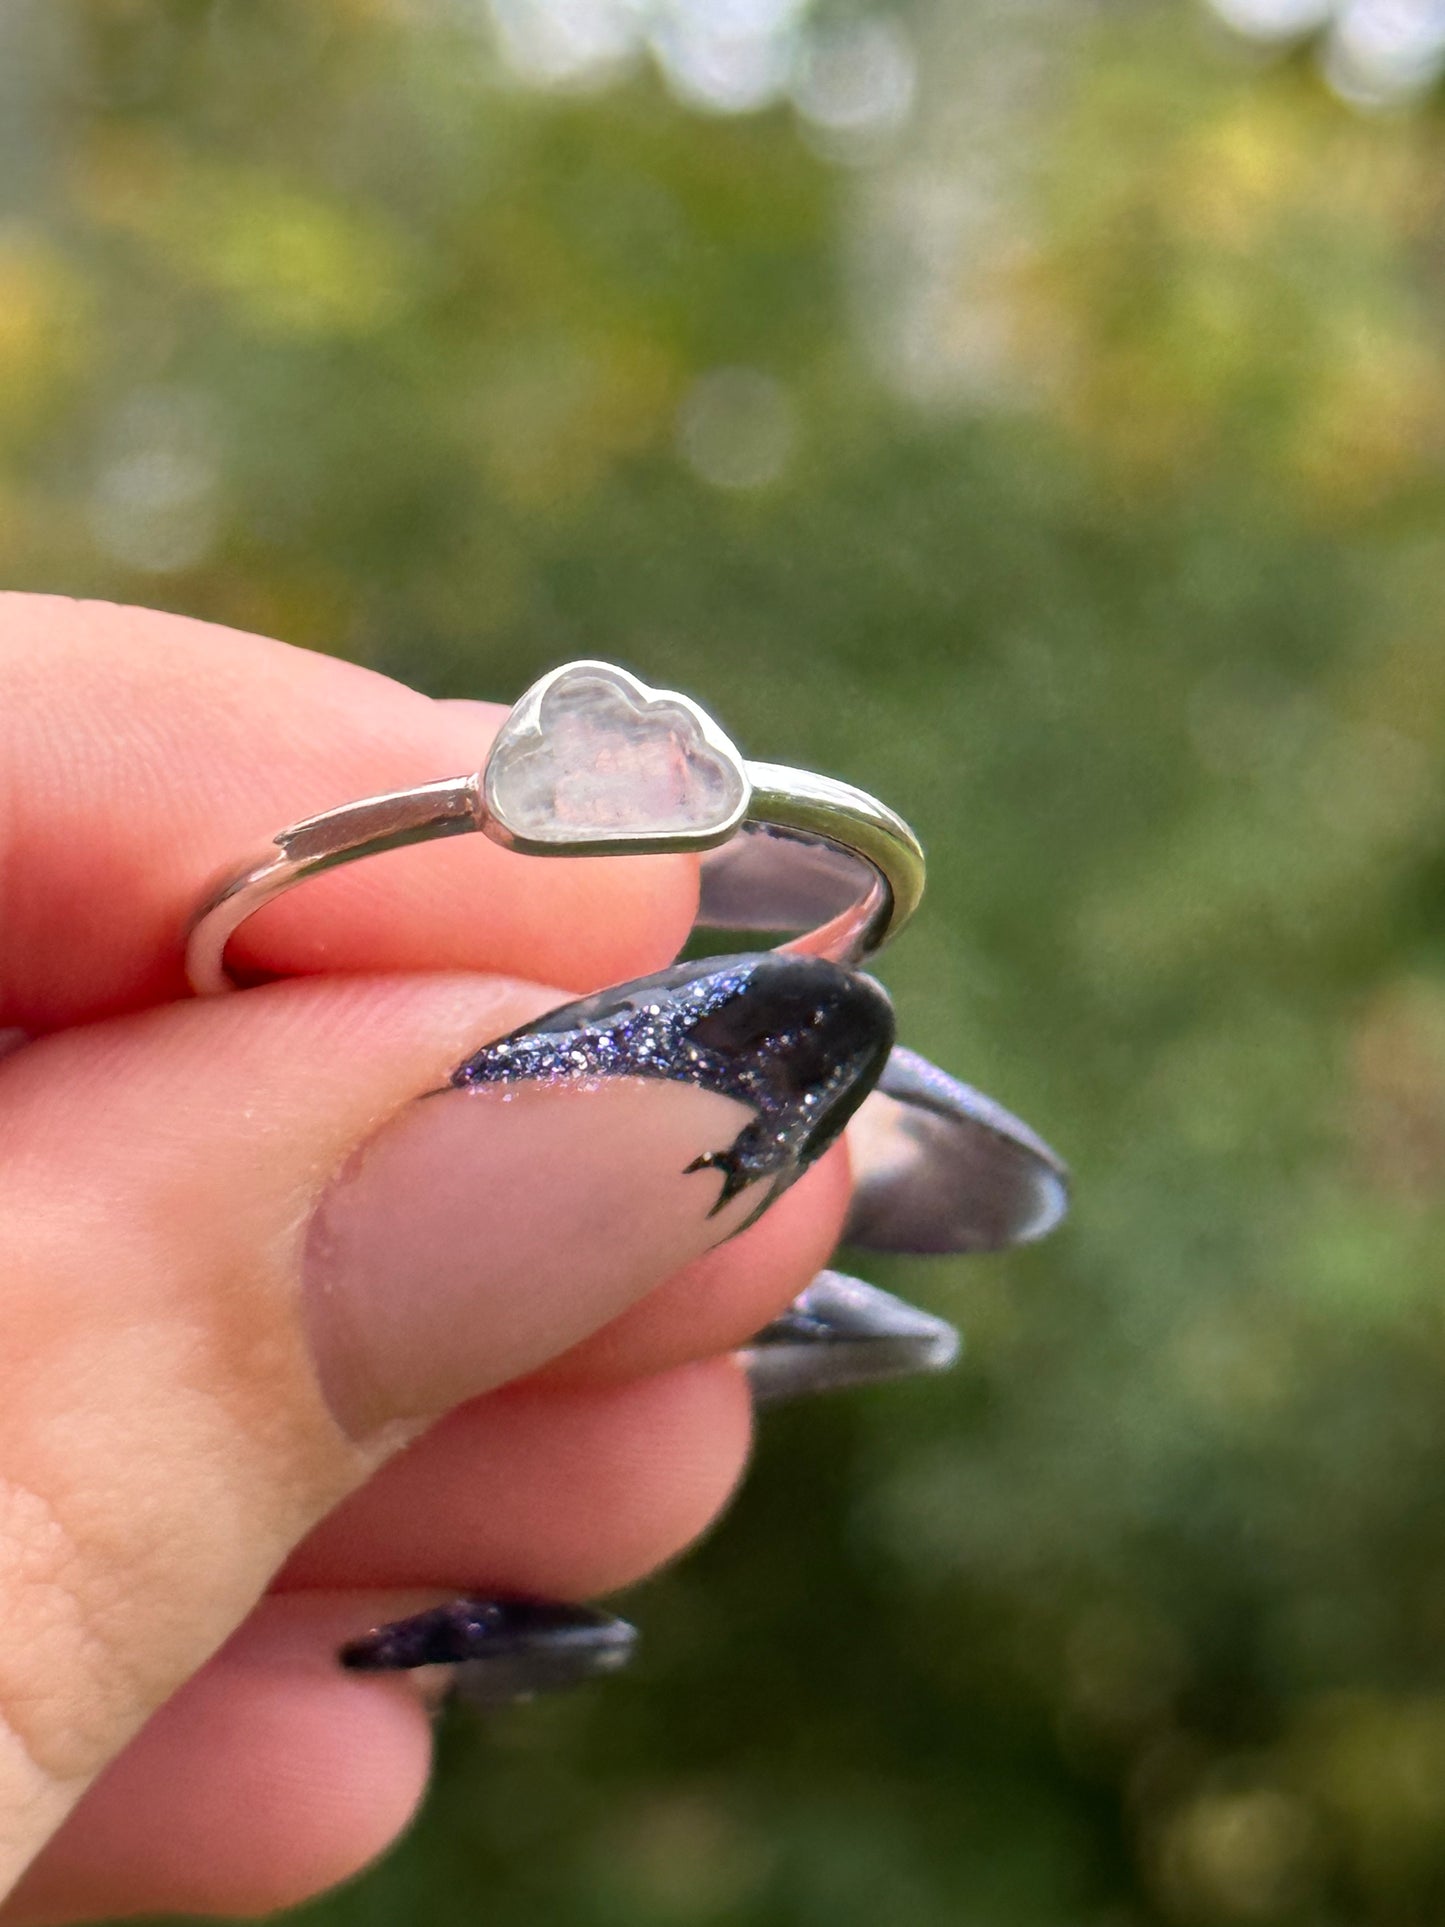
{"x":590,"y":754}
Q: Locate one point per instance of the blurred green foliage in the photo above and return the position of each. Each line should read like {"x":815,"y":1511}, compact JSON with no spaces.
{"x":1064,"y":463}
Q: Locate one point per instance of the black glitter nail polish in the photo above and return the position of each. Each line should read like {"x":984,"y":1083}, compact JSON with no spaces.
{"x":939,"y":1167}
{"x":502,"y":1649}
{"x":799,"y":1040}
{"x":840,"y":1332}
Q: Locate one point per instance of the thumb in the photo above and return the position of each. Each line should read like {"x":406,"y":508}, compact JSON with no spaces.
{"x":247,"y":1255}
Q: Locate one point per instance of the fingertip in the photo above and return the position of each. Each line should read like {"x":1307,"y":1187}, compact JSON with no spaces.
{"x":270,"y":1777}
{"x":560,"y":1492}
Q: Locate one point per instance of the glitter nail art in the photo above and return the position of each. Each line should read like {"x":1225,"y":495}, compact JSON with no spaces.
{"x":500,"y":1649}
{"x":799,"y":1040}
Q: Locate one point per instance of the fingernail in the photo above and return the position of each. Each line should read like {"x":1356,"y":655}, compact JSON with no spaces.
{"x":939,"y":1167}
{"x":568,"y":1168}
{"x":500,"y":1650}
{"x":840,"y":1332}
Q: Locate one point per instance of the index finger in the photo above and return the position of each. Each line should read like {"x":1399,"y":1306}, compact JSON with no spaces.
{"x":142,"y":755}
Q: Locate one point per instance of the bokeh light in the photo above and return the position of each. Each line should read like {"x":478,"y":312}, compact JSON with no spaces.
{"x":1373,"y":53}
{"x":736,"y":428}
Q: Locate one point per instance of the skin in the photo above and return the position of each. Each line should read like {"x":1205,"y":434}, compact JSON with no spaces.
{"x":185,"y":1529}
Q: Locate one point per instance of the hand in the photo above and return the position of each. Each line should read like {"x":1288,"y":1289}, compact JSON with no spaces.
{"x":247,"y":1273}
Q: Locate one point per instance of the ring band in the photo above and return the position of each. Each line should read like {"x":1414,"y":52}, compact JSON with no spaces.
{"x":592,"y":762}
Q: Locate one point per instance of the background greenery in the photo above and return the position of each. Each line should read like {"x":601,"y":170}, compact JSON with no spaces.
{"x":1035,"y":412}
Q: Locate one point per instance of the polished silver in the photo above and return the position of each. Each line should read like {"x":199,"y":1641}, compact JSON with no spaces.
{"x":592,"y":762}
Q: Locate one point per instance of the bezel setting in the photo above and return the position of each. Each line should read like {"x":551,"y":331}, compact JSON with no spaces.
{"x":545,"y":784}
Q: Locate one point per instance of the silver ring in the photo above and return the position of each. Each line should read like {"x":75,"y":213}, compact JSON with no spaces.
{"x":592,"y":762}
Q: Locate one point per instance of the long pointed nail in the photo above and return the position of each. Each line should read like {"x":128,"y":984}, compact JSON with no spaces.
{"x":500,"y":1650}
{"x":572,"y":1166}
{"x":840,"y":1332}
{"x":939,"y":1167}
